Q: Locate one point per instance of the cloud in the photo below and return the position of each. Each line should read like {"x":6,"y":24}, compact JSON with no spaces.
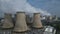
{"x":32,"y":9}
{"x":12,"y":6}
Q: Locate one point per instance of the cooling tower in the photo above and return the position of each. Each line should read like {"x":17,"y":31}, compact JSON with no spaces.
{"x":50,"y":18}
{"x":20,"y":25}
{"x":8,"y":23}
{"x":37,"y":21}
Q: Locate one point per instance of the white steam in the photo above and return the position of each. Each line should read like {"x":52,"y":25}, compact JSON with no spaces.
{"x":12,"y":6}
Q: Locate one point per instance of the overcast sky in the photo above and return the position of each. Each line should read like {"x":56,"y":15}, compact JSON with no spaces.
{"x":50,"y":6}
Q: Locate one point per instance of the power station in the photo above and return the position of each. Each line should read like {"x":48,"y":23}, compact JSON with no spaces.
{"x":24,"y":24}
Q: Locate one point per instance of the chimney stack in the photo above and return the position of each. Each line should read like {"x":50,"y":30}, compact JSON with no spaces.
{"x":37,"y":21}
{"x":8,"y":23}
{"x":20,"y":25}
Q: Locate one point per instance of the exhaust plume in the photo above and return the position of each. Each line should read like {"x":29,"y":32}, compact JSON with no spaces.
{"x":12,"y":6}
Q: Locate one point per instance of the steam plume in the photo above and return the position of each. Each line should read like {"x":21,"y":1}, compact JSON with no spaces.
{"x":12,"y":6}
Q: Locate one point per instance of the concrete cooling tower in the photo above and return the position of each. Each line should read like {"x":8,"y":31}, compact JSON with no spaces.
{"x":37,"y":21}
{"x":8,"y":23}
{"x":20,"y":25}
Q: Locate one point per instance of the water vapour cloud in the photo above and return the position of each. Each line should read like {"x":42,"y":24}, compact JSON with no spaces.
{"x":12,"y":6}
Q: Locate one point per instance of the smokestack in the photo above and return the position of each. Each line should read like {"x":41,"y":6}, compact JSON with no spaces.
{"x":20,"y":25}
{"x":37,"y":21}
{"x":8,"y":23}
